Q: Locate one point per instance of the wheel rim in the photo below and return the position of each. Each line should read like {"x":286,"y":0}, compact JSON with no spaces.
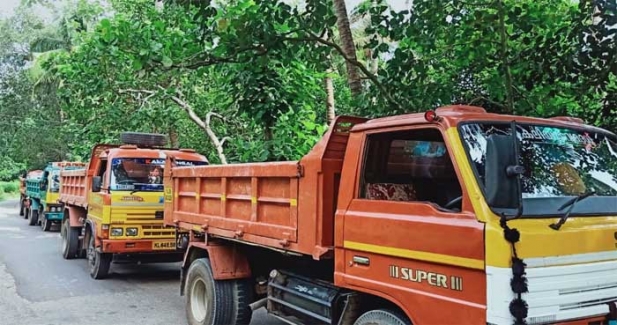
{"x":91,"y":253}
{"x":199,"y":307}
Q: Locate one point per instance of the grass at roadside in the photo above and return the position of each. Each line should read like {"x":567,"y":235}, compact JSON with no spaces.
{"x":9,"y":190}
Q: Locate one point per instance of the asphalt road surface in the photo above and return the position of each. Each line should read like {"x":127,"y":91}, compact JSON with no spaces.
{"x":38,"y":286}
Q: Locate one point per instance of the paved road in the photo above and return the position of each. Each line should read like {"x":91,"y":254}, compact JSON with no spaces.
{"x":38,"y":286}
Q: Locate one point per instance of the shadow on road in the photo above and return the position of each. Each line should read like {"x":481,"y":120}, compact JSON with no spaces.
{"x":145,"y":272}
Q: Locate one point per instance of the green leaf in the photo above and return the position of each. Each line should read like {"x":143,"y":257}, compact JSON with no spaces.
{"x":167,"y":62}
{"x":137,"y":65}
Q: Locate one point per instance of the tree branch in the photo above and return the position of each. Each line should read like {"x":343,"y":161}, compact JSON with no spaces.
{"x":205,"y":125}
{"x":479,"y":98}
{"x":139,"y":92}
{"x":260,"y":50}
{"x":358,"y":64}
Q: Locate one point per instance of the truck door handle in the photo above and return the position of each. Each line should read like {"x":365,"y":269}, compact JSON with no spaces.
{"x":361,"y":260}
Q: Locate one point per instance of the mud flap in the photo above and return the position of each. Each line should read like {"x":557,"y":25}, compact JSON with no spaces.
{"x":612,"y":314}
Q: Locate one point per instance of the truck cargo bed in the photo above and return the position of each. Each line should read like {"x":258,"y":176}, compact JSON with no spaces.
{"x":283,"y":205}
{"x":73,"y":187}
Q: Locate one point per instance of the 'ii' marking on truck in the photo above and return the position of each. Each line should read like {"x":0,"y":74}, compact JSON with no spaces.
{"x":456,"y":283}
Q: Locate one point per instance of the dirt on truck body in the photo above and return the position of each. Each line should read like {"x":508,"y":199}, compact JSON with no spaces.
{"x":437,"y":218}
{"x":114,"y":207}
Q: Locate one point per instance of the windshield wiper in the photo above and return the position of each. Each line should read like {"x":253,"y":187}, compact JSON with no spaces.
{"x":570,"y":203}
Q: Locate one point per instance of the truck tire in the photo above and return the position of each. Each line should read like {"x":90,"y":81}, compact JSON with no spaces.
{"x":34,"y":217}
{"x":45,"y":224}
{"x":144,"y":139}
{"x":98,"y":262}
{"x":70,"y":240}
{"x":382,"y":317}
{"x":22,"y":207}
{"x":216,"y":302}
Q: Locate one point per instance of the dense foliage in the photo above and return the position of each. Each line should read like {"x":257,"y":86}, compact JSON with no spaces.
{"x":245,"y":80}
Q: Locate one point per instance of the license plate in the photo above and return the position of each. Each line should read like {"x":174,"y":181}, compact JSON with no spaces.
{"x":160,"y":245}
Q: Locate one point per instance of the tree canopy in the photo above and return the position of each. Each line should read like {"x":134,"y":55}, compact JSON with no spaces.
{"x":245,"y":80}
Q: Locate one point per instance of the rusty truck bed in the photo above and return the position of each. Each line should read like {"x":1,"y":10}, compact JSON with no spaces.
{"x":73,"y":187}
{"x":284,"y":205}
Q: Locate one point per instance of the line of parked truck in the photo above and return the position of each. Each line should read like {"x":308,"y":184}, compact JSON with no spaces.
{"x":454,"y":216}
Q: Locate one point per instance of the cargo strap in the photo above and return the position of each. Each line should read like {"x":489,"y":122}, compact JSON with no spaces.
{"x":518,"y":283}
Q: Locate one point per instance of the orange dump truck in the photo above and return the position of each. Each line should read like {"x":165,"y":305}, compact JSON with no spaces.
{"x":114,"y":207}
{"x":447,"y":217}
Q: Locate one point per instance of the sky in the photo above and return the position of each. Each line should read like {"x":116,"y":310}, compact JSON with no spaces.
{"x":7,"y":7}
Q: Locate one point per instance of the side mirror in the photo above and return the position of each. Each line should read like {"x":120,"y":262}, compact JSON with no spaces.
{"x":97,"y":181}
{"x":501,"y":177}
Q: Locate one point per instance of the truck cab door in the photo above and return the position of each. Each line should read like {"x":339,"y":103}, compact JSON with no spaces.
{"x":406,"y":229}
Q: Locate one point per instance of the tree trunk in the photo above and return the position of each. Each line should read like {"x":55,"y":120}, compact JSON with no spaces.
{"x":348,"y":46}
{"x":505,"y":57}
{"x":330,"y":97}
{"x":173,"y":137}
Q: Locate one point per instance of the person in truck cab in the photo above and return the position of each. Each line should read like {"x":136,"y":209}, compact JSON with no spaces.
{"x":155,"y":176}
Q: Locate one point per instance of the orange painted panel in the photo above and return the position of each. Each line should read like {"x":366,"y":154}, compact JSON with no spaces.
{"x":290,"y":204}
{"x":459,"y":292}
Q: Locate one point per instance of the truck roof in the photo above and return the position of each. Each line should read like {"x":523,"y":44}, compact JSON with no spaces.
{"x":130,"y":151}
{"x":454,"y":115}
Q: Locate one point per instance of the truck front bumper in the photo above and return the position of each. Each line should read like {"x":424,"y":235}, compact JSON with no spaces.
{"x":54,"y":216}
{"x":131,"y":246}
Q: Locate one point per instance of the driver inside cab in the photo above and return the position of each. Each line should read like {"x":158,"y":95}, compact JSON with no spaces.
{"x":155,"y":176}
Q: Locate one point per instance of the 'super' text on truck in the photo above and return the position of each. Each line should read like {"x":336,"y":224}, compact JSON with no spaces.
{"x":447,"y":217}
{"x":43,"y":194}
{"x":114,"y":207}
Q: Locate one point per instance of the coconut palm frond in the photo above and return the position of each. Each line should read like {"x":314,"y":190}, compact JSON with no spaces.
{"x":45,"y":44}
{"x":37,"y":73}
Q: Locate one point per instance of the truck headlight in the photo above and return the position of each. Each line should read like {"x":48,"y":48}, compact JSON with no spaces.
{"x":131,"y":231}
{"x":116,"y":231}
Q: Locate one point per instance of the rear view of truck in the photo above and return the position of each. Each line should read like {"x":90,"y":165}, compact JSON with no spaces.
{"x":114,"y":207}
{"x":24,"y":201}
{"x":43,"y":194}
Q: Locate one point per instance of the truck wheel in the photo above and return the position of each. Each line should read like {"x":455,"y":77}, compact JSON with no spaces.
{"x":34,"y":217}
{"x":144,"y":139}
{"x":216,"y":302}
{"x":22,"y":207}
{"x":382,"y":317}
{"x":45,"y":224}
{"x":70,"y":239}
{"x":99,"y":262}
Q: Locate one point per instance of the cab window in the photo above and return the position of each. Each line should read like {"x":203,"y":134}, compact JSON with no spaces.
{"x":411,"y":165}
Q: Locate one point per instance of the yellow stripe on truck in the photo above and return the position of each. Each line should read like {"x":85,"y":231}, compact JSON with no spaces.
{"x":416,"y":255}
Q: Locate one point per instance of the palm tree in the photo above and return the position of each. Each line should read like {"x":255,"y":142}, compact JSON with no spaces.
{"x":348,"y":46}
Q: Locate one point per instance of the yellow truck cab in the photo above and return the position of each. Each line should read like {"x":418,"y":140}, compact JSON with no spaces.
{"x":114,"y":207}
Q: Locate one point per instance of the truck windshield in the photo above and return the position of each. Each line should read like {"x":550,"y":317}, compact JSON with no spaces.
{"x":54,"y":180}
{"x":141,"y":174}
{"x":560,"y":163}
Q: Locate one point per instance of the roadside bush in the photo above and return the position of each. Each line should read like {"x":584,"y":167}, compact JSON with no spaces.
{"x":9,"y":187}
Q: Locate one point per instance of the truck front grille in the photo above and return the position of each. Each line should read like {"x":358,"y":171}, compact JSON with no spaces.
{"x":156,"y":231}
